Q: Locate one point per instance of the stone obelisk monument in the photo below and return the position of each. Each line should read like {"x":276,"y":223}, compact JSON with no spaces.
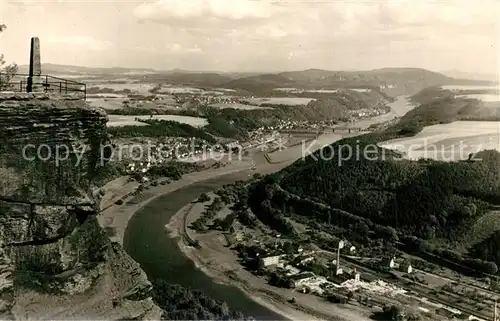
{"x":34,"y":78}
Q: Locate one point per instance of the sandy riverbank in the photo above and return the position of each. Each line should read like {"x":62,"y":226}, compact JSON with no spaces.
{"x":176,"y":228}
{"x":117,"y":217}
{"x":219,"y":263}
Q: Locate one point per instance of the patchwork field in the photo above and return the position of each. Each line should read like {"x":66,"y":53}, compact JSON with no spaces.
{"x":485,"y":93}
{"x":470,"y":87}
{"x":75,"y":77}
{"x":217,"y":156}
{"x":179,"y":90}
{"x":449,"y":142}
{"x":226,"y":89}
{"x":111,"y":103}
{"x":323,"y":91}
{"x":485,"y":226}
{"x":119,"y":120}
{"x":139,"y":88}
{"x":237,"y":106}
{"x":291,"y":101}
{"x":106,"y":95}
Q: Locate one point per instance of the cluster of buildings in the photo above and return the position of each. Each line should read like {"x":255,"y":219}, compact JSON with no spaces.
{"x":206,"y":98}
{"x":293,"y":264}
{"x":366,"y":112}
{"x":336,"y":277}
{"x":139,"y":157}
{"x":284,"y":125}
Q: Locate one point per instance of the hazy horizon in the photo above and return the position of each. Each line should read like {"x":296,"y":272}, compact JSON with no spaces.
{"x":238,"y":71}
{"x":256,"y":36}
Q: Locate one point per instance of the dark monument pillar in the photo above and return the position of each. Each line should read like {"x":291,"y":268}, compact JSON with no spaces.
{"x":34,"y":79}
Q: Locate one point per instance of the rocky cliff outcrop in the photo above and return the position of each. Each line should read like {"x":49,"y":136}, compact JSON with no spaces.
{"x":55,"y":260}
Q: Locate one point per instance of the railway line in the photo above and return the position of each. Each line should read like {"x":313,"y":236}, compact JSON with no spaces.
{"x":421,"y":290}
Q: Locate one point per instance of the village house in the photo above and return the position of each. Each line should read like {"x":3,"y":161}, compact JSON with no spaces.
{"x":267,"y":261}
{"x":299,"y":279}
{"x":306,"y":260}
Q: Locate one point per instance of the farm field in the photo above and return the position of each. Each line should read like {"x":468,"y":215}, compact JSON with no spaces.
{"x":106,"y":103}
{"x":139,"y":88}
{"x":209,"y":155}
{"x":323,"y":91}
{"x":483,"y":97}
{"x":470,"y":87}
{"x":75,"y":77}
{"x":179,"y":90}
{"x":106,"y":95}
{"x":237,"y":106}
{"x":291,"y":101}
{"x":449,"y":142}
{"x":101,"y":81}
{"x":119,"y":120}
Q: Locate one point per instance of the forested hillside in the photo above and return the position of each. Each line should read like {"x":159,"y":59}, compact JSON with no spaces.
{"x":236,"y":123}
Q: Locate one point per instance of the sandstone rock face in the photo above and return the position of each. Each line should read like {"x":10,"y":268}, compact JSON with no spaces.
{"x":55,"y":261}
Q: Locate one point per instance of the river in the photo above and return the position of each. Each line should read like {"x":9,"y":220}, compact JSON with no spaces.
{"x":147,"y":241}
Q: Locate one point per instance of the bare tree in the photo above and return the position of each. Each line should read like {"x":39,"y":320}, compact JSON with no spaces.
{"x":7,"y":72}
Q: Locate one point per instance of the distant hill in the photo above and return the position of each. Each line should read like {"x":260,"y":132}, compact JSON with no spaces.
{"x":261,"y":83}
{"x":471,"y":75}
{"x":391,"y":81}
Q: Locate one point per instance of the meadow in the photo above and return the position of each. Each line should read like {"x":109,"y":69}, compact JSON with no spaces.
{"x":483,"y":97}
{"x":321,"y":91}
{"x":106,"y":103}
{"x":106,"y":95}
{"x":139,"y":88}
{"x":179,"y":90}
{"x":469,"y":87}
{"x":449,"y":142}
{"x":484,"y":93}
{"x":119,"y":120}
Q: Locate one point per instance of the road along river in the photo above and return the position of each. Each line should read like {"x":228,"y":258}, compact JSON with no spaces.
{"x":148,"y":242}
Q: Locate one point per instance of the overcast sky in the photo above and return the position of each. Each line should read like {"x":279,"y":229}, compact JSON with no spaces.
{"x":254,"y":35}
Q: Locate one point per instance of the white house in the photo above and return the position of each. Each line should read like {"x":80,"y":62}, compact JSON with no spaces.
{"x":271,"y":260}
